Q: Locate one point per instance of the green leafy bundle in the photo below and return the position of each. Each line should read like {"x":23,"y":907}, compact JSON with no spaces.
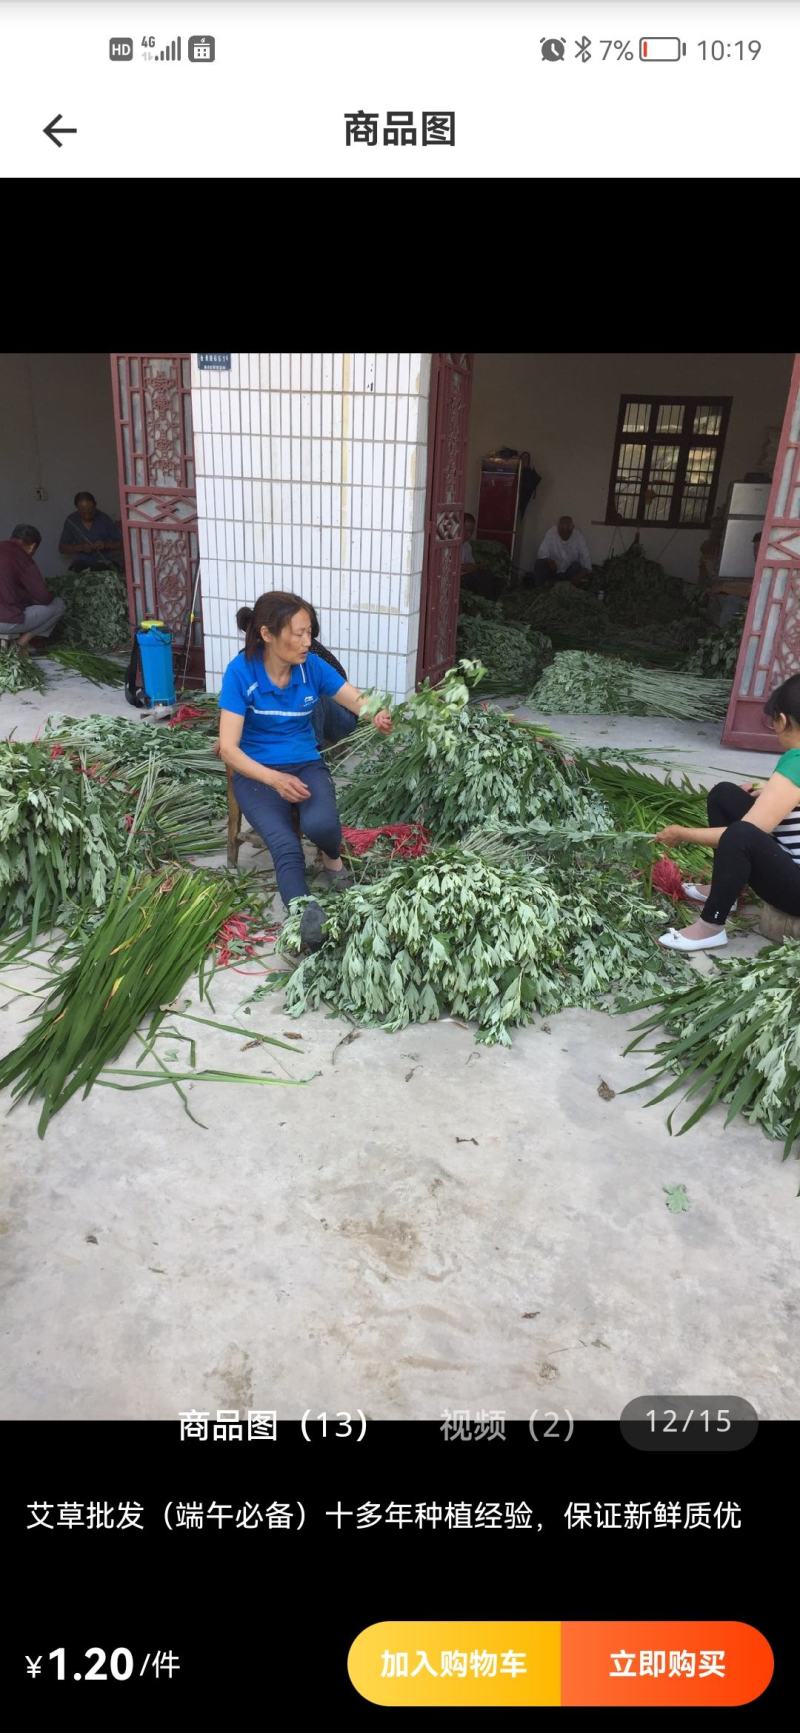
{"x":579,"y":683}
{"x":638,"y":591}
{"x":62,"y":834}
{"x":680,"y":634}
{"x":19,"y":673}
{"x":452,"y":765}
{"x":562,"y":611}
{"x":718,"y":652}
{"x":492,"y":557}
{"x":96,"y":612}
{"x":565,"y":851}
{"x":452,"y":934}
{"x":577,"y":619}
{"x":68,"y":818}
{"x":659,"y":643}
{"x":512,"y":656}
{"x":478,"y":607}
{"x":119,"y":744}
{"x":735,"y":1034}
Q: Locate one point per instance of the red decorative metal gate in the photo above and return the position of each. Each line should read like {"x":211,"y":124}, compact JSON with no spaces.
{"x":448,"y":429}
{"x":770,"y":649}
{"x":158,"y":503}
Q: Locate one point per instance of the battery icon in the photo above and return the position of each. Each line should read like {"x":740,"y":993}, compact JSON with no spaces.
{"x":661,"y":48}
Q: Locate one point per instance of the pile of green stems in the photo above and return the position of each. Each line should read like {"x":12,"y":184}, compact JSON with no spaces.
{"x":174,"y":820}
{"x":98,"y":669}
{"x":153,"y":935}
{"x":734,"y":1036}
{"x":644,"y":803}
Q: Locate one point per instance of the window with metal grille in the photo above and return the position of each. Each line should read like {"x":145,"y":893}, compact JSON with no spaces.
{"x":667,"y":458}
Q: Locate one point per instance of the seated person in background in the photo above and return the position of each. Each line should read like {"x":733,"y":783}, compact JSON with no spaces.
{"x":473,"y":578}
{"x":330,"y":721}
{"x":90,"y":536}
{"x":563,"y":556}
{"x":27,"y":609}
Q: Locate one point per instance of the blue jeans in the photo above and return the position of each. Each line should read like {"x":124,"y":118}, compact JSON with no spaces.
{"x":271,"y":816}
{"x":331,"y":721}
{"x":40,"y":619}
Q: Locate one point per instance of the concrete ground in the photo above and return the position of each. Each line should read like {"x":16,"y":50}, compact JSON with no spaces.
{"x":425,"y":1224}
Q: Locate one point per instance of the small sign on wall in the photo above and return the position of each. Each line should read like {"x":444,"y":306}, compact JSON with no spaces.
{"x":214,"y":363}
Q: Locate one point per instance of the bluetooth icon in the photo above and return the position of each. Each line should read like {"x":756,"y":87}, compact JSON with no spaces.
{"x":584,"y":49}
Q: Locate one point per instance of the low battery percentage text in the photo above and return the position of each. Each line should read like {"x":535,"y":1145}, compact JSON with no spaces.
{"x":622,"y":50}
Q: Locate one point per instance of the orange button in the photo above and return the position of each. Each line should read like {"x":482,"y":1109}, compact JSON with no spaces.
{"x":657,"y":1663}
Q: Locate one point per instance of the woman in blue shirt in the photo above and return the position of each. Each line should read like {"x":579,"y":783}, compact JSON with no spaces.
{"x":332,"y":722}
{"x":755,"y":835}
{"x":266,"y":736}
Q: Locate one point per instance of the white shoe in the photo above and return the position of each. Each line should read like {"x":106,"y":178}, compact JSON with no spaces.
{"x":675,"y":941}
{"x":694,"y":893}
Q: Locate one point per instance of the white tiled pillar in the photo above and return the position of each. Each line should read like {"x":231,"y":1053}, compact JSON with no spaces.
{"x":311,"y":473}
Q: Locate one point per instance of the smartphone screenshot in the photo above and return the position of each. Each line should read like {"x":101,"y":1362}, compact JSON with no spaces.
{"x":400,"y":860}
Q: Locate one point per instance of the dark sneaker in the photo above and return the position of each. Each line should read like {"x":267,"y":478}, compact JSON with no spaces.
{"x":340,"y":881}
{"x":312,"y":927}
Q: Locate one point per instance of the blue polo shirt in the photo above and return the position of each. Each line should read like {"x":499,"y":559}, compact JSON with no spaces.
{"x":277,"y":719}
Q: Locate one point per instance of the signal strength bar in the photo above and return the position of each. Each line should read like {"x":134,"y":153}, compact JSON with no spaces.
{"x":173,"y":52}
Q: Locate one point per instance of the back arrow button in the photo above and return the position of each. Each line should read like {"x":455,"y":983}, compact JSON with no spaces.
{"x":54,"y":128}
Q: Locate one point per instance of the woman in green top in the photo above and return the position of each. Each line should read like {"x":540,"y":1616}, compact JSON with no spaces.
{"x":756,"y":836}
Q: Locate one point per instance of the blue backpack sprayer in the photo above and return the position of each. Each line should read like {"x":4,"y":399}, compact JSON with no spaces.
{"x":151,"y":655}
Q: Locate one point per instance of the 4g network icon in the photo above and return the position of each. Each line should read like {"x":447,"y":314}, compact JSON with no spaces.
{"x":201,"y":50}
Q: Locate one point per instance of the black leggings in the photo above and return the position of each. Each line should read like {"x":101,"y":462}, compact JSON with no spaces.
{"x":746,"y":855}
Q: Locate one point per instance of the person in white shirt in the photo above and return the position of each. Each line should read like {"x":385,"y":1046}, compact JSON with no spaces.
{"x":563,"y":556}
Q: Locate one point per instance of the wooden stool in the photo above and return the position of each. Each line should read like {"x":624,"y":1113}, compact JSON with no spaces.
{"x":236,"y":836}
{"x":774,"y":924}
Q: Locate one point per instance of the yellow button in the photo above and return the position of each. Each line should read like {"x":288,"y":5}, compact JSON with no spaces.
{"x":477,"y":1663}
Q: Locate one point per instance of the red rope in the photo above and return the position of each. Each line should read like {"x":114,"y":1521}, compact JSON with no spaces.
{"x":410,"y":840}
{"x":668,"y":879}
{"x":186,"y":715}
{"x":237,"y":939}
